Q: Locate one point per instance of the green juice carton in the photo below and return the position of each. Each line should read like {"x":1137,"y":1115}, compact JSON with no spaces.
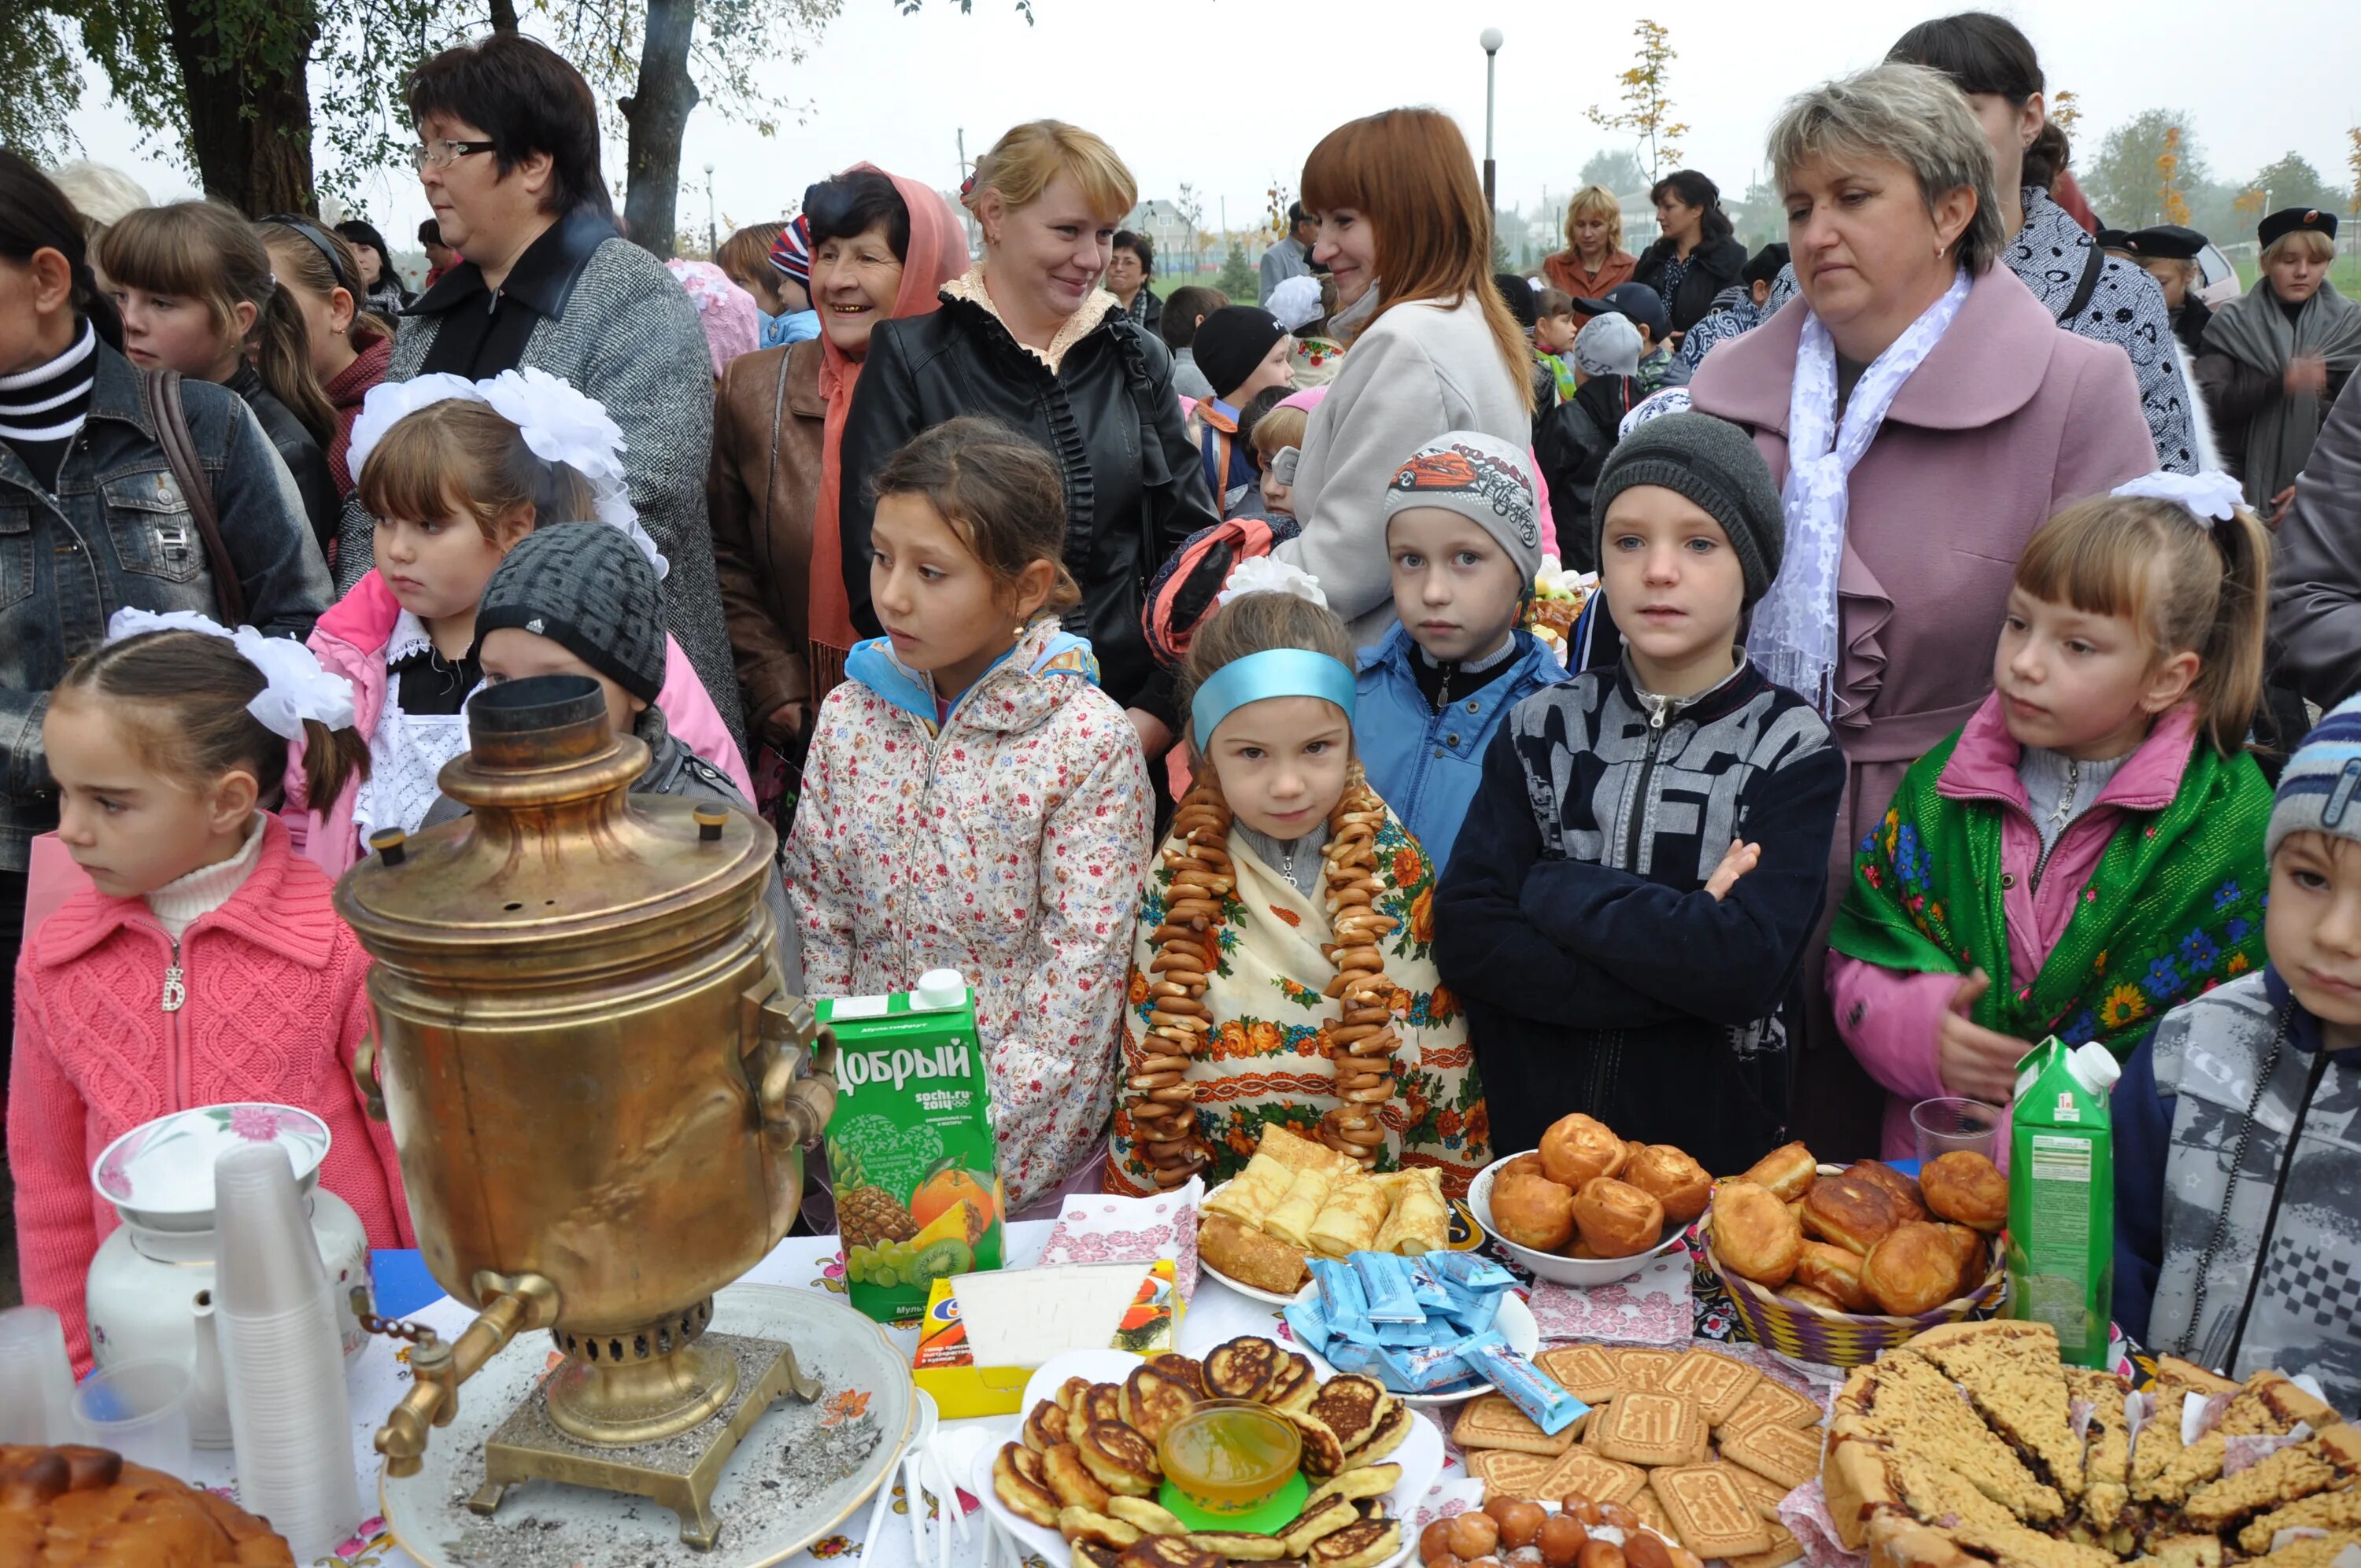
{"x":2061,"y":1197}
{"x":910,"y":1148}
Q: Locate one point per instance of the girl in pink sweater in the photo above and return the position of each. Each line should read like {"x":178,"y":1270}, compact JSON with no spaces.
{"x":456,"y":472}
{"x":2086,"y":851}
{"x":204,"y":964}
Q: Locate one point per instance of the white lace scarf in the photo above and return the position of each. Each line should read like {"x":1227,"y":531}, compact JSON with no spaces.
{"x":1794,"y":636}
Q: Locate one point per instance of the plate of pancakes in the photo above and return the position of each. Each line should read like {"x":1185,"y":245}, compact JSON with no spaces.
{"x":1515,"y":1324}
{"x":1076,"y":1484}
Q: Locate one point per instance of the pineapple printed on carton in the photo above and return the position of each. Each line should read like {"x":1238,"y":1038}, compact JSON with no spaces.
{"x":918,"y":1195}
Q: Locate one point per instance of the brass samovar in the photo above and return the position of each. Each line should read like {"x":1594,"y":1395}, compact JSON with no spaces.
{"x":601,"y":1093}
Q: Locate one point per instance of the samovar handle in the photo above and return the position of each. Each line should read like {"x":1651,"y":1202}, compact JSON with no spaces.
{"x":795,"y":1073}
{"x":365,"y":1071}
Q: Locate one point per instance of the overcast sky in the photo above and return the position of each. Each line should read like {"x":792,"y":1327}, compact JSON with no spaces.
{"x":1230,"y":95}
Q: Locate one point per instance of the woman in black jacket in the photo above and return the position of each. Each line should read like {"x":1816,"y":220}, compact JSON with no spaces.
{"x":1028,"y":337}
{"x":1695,"y":258}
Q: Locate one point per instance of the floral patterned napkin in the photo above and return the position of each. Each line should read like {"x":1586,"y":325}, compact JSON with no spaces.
{"x":1096,"y":1228}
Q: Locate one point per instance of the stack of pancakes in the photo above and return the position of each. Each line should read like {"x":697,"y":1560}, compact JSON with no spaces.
{"x":1973,"y":1444}
{"x":1698,"y":1445}
{"x":1088,"y":1467}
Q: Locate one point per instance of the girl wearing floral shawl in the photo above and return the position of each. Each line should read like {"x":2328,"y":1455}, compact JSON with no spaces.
{"x":2087,"y":851}
{"x":1281,"y":969}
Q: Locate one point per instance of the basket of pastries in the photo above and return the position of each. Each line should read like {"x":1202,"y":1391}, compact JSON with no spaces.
{"x":1097,"y":1462}
{"x":1973,"y":1444}
{"x":1835,"y":1266}
{"x":1297,"y":1200}
{"x":84,"y":1508}
{"x":1588,"y":1207}
{"x":1696,"y":1445}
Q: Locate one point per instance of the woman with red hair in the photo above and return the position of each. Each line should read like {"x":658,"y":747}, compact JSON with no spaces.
{"x":1434,"y":348}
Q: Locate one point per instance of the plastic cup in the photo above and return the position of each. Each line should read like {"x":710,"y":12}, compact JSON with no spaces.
{"x":140,"y":1410}
{"x":1948,"y":1126}
{"x":36,"y":1382}
{"x":268,"y":1263}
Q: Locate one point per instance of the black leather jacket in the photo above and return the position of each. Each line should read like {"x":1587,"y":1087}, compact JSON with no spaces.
{"x":1134,"y":489}
{"x":1713,"y":267}
{"x":317,"y":488}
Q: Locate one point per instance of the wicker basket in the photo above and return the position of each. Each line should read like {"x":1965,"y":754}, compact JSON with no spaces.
{"x":1838,"y":1339}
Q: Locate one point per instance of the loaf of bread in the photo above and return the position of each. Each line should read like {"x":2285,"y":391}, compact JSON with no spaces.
{"x":84,"y":1508}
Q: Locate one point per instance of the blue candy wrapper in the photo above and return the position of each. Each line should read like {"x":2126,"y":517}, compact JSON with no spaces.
{"x":1386,"y":1282}
{"x":1423,"y":1371}
{"x":1308,"y":1320}
{"x":1368,"y":1360}
{"x":1470,"y":1269}
{"x":1427,"y":1288}
{"x":1532,"y":1390}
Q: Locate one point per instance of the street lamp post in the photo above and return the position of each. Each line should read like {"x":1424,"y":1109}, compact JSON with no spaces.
{"x":712,"y":233}
{"x":1491,"y":40}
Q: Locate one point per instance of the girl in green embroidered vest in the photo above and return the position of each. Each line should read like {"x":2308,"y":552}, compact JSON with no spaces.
{"x":2087,"y":851}
{"x":1281,"y":968}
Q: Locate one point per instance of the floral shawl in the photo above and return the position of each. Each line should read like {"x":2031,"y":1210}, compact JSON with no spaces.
{"x":2174,"y":908}
{"x":1267,"y":1061}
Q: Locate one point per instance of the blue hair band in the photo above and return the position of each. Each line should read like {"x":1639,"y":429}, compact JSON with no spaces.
{"x":1275,"y":672}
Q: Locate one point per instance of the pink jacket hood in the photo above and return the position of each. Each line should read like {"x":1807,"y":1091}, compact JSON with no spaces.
{"x":351,"y":637}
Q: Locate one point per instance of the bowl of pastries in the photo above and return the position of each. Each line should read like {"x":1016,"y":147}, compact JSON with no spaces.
{"x":1696,"y":1445}
{"x":1973,"y":1444}
{"x":1836,"y":1265}
{"x":1090,"y":1480}
{"x":1298,"y":1200}
{"x":1589,"y":1208}
{"x":73,"y":1507}
{"x":1573,"y":1532}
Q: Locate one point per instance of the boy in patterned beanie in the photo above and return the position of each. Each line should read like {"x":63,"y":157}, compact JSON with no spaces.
{"x":2236,"y":1210}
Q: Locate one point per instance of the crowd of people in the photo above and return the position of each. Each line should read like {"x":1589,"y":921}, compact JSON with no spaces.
{"x":1172,"y":666}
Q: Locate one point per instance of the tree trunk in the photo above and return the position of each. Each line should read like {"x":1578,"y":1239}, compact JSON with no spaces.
{"x":504,"y":17}
{"x":250,"y":106}
{"x":657,"y":113}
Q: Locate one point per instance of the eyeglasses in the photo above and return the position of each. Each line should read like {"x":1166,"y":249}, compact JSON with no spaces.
{"x":444,"y":154}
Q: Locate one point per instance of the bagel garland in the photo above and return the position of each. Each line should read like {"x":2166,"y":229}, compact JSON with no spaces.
{"x":1158,"y":1095}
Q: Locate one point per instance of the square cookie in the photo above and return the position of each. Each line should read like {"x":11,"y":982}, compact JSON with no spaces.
{"x":1583,"y":1475}
{"x":1714,"y":1383}
{"x":1585,"y":1371}
{"x":1789,"y":1455}
{"x":1712,"y":1515}
{"x":1493,"y":1421}
{"x":1652,"y":1430}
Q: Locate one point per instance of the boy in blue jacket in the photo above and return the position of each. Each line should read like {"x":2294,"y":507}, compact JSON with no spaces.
{"x":1626,"y":914}
{"x":1463,"y":535}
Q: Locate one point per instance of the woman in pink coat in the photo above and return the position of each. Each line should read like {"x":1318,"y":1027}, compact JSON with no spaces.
{"x":1924,"y":415}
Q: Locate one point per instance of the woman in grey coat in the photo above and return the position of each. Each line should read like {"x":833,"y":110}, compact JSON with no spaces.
{"x":508,"y":156}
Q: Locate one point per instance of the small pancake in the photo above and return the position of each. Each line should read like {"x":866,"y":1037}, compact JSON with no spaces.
{"x":1241,"y":1369}
{"x":1153,"y":1400}
{"x":1071,"y":1392}
{"x":1239,"y":1547}
{"x":1187,"y":1368}
{"x":1018,"y":1480}
{"x":1090,"y":1554}
{"x":1083,"y":1524}
{"x":1063,"y":1472}
{"x":1292,"y":1385}
{"x":1153,"y":1519}
{"x":1167,"y":1551}
{"x":1393,"y":1430}
{"x":1362,"y":1480}
{"x":1322,"y":1455}
{"x":1045,"y":1428}
{"x":1351,"y":1406}
{"x":1298,"y":1534}
{"x":1122,"y":1459}
{"x":1364,"y":1544}
{"x":1103,"y":1403}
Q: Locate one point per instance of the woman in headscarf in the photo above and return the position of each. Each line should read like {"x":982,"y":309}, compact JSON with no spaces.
{"x":2275,"y":359}
{"x":881,"y":248}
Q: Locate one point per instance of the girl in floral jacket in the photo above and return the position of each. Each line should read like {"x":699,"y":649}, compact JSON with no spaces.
{"x":1281,"y":973}
{"x":973,"y":801}
{"x":2086,"y":853}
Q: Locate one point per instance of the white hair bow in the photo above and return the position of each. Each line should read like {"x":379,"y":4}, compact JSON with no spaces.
{"x":1268,"y":575}
{"x":295,"y":684}
{"x":560,"y":424}
{"x":2212,"y":494}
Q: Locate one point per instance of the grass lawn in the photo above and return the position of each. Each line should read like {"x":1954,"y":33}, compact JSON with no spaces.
{"x":2345,"y":274}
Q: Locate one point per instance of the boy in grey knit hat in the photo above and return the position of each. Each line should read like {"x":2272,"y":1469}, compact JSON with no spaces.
{"x":1649,"y":841}
{"x":579,"y":598}
{"x":1464,"y":540}
{"x":2237,"y":1172}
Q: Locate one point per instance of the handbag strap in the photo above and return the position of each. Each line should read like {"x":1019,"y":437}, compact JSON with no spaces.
{"x":2086,"y":287}
{"x":160,"y":391}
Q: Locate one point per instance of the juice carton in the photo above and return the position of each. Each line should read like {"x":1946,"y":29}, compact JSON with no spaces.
{"x":917,"y":1171}
{"x":2061,"y":1197}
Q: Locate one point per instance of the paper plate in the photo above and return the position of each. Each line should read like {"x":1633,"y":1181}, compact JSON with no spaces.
{"x":1420,"y":1457}
{"x":1515,"y":1324}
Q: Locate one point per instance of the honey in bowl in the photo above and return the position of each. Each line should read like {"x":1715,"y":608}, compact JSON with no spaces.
{"x":1230,"y":1458}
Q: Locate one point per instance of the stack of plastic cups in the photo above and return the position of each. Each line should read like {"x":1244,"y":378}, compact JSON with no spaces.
{"x":290,"y":1422}
{"x":36,"y":1379}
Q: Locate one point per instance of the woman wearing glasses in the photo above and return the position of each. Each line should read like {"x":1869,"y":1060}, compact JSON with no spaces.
{"x":509,"y":155}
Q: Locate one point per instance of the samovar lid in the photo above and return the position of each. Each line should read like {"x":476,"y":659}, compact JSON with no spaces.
{"x":555,"y":848}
